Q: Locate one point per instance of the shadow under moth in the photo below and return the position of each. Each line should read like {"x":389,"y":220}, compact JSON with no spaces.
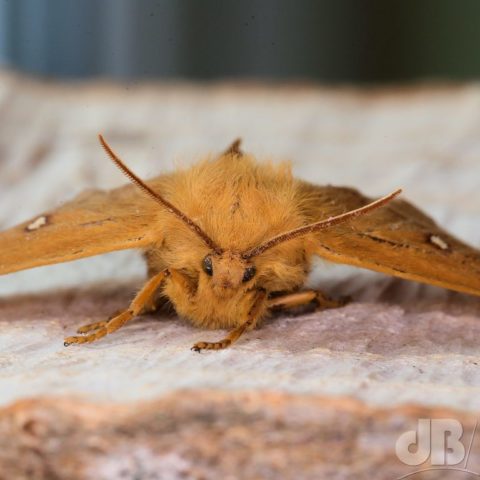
{"x":230,"y":239}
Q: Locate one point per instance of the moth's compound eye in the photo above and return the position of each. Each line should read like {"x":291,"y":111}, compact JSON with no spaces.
{"x":249,"y":274}
{"x":207,"y":265}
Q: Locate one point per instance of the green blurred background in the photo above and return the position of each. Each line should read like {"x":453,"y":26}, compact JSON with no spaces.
{"x":347,"y":41}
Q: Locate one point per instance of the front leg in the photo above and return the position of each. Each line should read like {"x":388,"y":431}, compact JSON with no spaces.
{"x":143,"y":298}
{"x":235,"y":334}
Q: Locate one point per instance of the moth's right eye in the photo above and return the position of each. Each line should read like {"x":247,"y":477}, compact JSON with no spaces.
{"x":207,"y":265}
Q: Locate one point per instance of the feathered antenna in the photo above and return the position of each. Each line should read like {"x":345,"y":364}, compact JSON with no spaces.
{"x":322,"y":225}
{"x":157,"y":197}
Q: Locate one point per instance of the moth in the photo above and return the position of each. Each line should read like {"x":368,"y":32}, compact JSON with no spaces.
{"x":230,"y":239}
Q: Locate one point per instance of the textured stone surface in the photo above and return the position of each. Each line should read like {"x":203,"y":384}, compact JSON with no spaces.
{"x":385,"y":352}
{"x":213,"y":435}
{"x":396,"y":342}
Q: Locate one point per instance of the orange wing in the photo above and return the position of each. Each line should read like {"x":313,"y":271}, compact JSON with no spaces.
{"x":397,"y":239}
{"x":95,"y":222}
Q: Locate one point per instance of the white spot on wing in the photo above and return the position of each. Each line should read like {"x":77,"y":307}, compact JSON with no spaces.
{"x":37,"y":223}
{"x":439,"y":242}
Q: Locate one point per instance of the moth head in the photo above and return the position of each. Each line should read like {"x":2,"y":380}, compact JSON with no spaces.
{"x":227,"y":272}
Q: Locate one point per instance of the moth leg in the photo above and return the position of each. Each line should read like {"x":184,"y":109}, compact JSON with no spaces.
{"x":297,"y":299}
{"x":151,"y":306}
{"x":135,"y":308}
{"x":156,"y":301}
{"x":89,"y":327}
{"x":96,"y":325}
{"x":92,"y":326}
{"x":236,"y":333}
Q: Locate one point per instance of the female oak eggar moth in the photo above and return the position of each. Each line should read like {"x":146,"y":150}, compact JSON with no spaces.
{"x":229,"y":239}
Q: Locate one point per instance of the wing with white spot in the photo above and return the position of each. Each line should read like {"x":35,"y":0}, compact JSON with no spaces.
{"x":397,"y":239}
{"x":95,"y":222}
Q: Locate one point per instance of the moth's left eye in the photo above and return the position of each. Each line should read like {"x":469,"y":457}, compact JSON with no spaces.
{"x":249,"y":274}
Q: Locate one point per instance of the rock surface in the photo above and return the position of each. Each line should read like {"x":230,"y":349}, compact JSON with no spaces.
{"x":386,"y":352}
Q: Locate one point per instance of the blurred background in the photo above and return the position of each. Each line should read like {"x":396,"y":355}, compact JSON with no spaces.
{"x":338,"y":41}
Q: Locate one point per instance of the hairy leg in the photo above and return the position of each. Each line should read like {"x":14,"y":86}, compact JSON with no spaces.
{"x":135,"y":308}
{"x":236,"y":333}
{"x":150,"y":307}
{"x":297,"y":299}
{"x":90,"y":327}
